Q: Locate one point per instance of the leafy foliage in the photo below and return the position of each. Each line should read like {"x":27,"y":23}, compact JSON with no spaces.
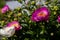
{"x":2,"y":3}
{"x":34,"y":30}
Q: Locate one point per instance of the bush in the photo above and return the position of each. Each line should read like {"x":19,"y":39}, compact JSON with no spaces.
{"x":42,"y":30}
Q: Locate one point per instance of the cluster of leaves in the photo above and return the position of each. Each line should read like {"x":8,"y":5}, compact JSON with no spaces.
{"x":33,"y":30}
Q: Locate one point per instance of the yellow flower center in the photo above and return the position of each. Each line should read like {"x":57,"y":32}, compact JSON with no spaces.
{"x":41,"y":14}
{"x":15,"y":25}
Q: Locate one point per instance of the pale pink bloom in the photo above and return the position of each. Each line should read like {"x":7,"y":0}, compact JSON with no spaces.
{"x":5,"y":9}
{"x":14,"y":24}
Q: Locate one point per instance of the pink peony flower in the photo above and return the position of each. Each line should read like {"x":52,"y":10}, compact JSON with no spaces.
{"x":5,"y":9}
{"x":14,"y":24}
{"x":41,"y":14}
{"x":58,"y":20}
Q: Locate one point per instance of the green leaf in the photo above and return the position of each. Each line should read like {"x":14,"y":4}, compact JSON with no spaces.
{"x":30,"y":32}
{"x":26,"y":39}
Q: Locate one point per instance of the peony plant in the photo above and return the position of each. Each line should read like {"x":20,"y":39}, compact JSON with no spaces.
{"x":40,"y":20}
